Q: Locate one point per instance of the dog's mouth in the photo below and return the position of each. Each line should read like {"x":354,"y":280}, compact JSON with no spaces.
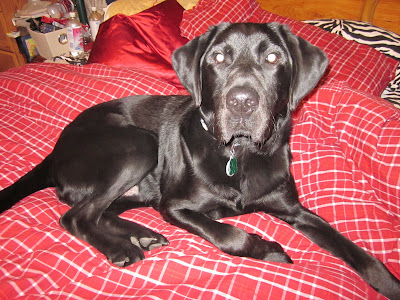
{"x":254,"y":129}
{"x":238,"y":132}
{"x":242,"y":140}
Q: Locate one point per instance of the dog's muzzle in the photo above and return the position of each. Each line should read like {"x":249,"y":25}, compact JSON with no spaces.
{"x":242,"y":115}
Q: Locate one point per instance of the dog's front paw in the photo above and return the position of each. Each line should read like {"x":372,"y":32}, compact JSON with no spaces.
{"x":124,"y":254}
{"x":269,"y":251}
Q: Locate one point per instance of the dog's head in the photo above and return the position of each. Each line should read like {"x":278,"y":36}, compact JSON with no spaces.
{"x":246,"y":76}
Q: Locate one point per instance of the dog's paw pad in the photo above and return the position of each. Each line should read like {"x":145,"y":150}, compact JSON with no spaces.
{"x":150,"y":243}
{"x":121,"y":263}
{"x":135,"y":241}
{"x":147,"y":241}
{"x":154,"y":246}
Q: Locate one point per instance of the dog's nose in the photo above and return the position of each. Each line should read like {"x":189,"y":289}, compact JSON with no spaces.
{"x":242,"y":101}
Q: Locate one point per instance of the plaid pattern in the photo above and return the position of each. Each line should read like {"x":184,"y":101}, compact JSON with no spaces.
{"x":346,"y":166}
{"x":361,"y":66}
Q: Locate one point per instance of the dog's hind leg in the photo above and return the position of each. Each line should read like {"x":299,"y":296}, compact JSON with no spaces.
{"x":109,"y":162}
{"x":83,"y":220}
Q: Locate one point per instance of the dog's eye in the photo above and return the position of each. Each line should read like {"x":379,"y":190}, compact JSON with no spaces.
{"x":219,"y":58}
{"x":272,"y":58}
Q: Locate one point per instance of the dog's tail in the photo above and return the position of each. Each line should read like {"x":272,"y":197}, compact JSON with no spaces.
{"x":35,"y":180}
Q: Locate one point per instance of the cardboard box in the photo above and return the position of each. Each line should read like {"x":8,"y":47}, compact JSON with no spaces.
{"x":51,"y":44}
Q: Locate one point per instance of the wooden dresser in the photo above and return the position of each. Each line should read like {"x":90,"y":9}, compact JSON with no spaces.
{"x":9,"y":53}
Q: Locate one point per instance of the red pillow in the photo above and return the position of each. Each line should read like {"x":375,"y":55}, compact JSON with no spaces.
{"x":360,"y":66}
{"x":212,"y":12}
{"x":144,"y":41}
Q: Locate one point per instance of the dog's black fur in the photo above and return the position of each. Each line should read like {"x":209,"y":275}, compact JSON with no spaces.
{"x":170,"y":152}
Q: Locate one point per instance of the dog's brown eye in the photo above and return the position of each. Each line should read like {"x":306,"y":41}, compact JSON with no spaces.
{"x":272,"y":58}
{"x":219,"y":58}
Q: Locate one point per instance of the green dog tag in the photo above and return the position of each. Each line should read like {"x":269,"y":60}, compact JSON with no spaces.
{"x":231,"y":166}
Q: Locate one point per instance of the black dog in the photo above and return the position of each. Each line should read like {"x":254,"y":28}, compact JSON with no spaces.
{"x":221,"y":152}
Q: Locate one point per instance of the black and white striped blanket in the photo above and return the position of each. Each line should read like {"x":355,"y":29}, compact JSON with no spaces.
{"x":382,"y":40}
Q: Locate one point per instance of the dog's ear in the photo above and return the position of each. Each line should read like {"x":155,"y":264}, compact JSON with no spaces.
{"x":187,"y":61}
{"x":309,"y":65}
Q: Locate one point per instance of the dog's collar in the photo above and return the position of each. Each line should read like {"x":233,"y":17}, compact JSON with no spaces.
{"x":231,"y":166}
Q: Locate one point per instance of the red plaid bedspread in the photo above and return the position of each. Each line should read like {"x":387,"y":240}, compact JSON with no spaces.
{"x":346,"y":165}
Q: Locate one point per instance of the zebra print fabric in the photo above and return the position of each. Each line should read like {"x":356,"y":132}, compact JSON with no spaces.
{"x":385,"y":41}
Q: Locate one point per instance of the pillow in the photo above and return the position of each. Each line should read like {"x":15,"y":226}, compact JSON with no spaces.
{"x":384,"y":41}
{"x":129,"y":7}
{"x":144,"y":41}
{"x":212,"y":12}
{"x":392,"y":91}
{"x":359,"y":65}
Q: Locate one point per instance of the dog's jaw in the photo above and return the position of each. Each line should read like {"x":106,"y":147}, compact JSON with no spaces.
{"x":257,"y":127}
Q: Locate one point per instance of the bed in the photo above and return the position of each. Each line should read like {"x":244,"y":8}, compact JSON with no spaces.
{"x":346,"y":163}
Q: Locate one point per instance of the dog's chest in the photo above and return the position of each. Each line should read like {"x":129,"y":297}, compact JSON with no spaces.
{"x":236,"y":172}
{"x":239,"y":170}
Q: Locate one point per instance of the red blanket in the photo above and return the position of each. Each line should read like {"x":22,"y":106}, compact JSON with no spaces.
{"x":346,"y":165}
{"x":346,"y":151}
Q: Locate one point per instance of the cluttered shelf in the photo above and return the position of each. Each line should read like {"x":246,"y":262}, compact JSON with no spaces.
{"x":49,"y":30}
